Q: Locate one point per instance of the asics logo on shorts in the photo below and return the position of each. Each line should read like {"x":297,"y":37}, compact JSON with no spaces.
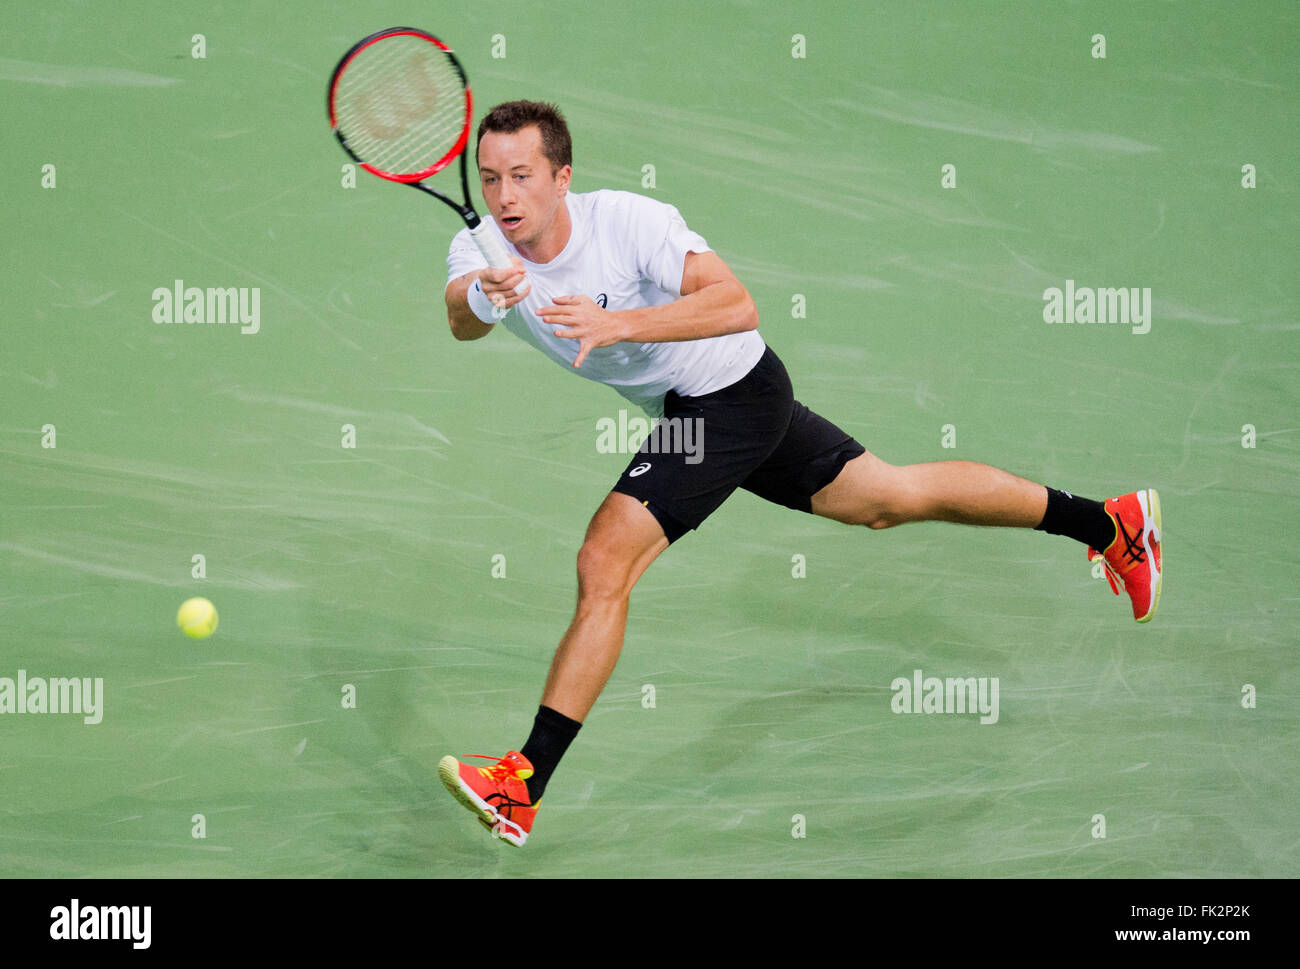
{"x":641,"y":468}
{"x":602,"y":301}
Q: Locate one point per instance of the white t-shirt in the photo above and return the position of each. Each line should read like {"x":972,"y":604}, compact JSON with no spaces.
{"x":625,"y":251}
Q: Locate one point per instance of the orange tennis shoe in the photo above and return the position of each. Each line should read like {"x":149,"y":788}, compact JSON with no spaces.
{"x":497,"y":795}
{"x":1133,"y":558}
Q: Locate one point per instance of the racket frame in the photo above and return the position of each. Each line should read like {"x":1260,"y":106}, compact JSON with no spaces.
{"x":488,"y":244}
{"x":416,"y":179}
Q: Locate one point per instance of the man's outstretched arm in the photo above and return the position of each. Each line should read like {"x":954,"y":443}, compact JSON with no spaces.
{"x":713,"y":303}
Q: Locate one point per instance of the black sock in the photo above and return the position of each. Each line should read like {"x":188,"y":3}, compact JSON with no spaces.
{"x":1082,"y":519}
{"x":551,"y":736}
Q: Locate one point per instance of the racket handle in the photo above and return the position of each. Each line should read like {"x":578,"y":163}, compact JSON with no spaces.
{"x":493,"y":251}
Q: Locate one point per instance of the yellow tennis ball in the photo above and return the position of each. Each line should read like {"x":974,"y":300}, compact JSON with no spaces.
{"x":197,"y":618}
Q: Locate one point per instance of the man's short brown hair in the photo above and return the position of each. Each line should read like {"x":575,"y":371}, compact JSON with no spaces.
{"x":511,"y":116}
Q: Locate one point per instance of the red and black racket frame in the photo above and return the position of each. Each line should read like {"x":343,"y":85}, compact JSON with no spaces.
{"x":415,"y":180}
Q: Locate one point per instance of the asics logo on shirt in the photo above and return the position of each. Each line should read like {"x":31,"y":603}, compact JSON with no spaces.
{"x":639,"y":469}
{"x":602,"y":300}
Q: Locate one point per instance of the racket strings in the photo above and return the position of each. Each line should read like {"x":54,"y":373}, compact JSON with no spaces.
{"x":400,"y":105}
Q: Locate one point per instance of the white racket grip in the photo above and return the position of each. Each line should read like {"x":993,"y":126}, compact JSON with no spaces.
{"x":492,"y":250}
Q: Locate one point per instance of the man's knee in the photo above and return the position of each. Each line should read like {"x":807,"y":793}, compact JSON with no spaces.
{"x":869,"y":492}
{"x":621,"y":541}
{"x":600,"y":573}
{"x":900,"y":499}
{"x":882,"y":518}
{"x":883,"y":512}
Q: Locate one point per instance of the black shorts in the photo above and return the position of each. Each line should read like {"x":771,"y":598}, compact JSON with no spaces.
{"x":752,"y":435}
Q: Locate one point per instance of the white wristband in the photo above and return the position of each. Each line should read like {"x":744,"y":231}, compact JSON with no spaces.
{"x":481,"y":306}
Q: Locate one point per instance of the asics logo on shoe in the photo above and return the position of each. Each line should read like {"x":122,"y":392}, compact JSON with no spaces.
{"x":1133,"y":550}
{"x":501,"y":800}
{"x":639,"y":469}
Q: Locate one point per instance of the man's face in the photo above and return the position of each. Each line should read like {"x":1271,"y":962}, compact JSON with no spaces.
{"x":520,"y":190}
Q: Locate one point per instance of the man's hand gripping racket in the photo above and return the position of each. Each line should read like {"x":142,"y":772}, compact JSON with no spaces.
{"x":400,"y":105}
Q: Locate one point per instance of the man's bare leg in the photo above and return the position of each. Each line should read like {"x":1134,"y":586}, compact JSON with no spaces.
{"x":1123,"y":531}
{"x":622,"y":540}
{"x":870,"y":492}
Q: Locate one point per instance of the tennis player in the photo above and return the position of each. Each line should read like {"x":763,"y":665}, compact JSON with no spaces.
{"x":616,"y":288}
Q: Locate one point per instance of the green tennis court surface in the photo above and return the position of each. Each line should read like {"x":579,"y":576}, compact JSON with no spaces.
{"x":371,"y":567}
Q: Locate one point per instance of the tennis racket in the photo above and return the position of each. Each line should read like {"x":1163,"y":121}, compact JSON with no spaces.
{"x":400,"y":105}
